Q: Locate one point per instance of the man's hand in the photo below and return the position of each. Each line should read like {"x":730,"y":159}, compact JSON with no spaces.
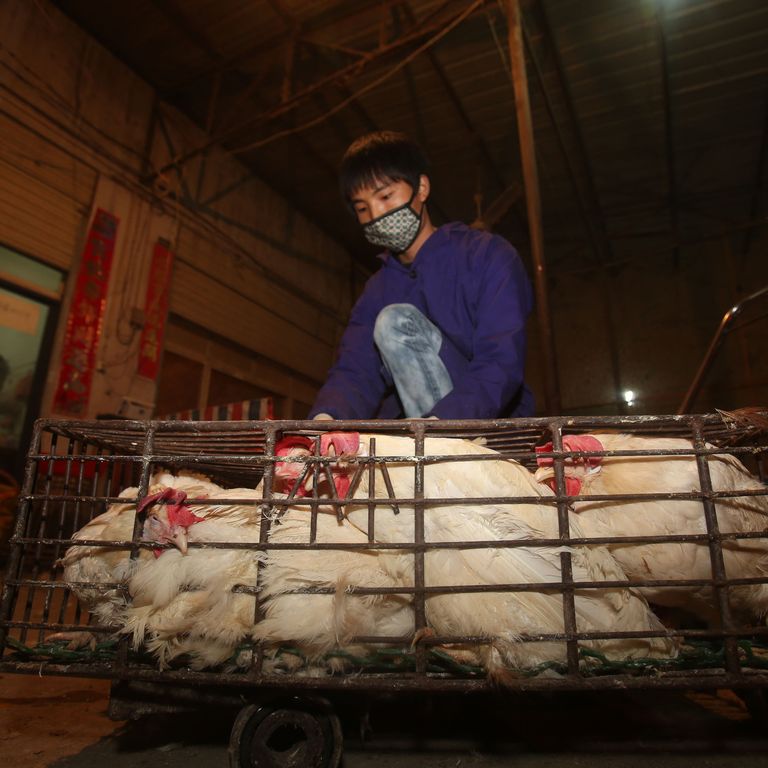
{"x":322,"y":417}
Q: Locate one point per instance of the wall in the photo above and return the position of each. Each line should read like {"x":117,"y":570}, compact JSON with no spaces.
{"x":261,"y":295}
{"x":664,"y":311}
{"x":251,"y":277}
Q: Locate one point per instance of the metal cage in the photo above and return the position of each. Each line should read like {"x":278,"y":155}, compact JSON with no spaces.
{"x":75,"y":470}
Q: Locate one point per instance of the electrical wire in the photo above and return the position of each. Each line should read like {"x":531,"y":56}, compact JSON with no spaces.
{"x":457,"y":20}
{"x":125,"y":175}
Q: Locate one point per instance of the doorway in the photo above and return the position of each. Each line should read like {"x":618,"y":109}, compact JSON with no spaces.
{"x":30,"y":294}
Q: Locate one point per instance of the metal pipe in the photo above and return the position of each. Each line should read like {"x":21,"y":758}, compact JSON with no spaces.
{"x":714,"y":345}
{"x":533,"y":205}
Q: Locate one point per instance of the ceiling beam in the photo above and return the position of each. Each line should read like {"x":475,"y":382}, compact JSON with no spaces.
{"x":327,"y":18}
{"x":340,"y":75}
{"x":471,"y":131}
{"x":171,"y":10}
{"x":195,"y":35}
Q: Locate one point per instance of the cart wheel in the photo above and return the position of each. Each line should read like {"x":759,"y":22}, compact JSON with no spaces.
{"x":757,"y":704}
{"x":292,"y":733}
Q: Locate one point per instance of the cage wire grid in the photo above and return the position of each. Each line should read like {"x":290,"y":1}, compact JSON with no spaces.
{"x":76,"y":469}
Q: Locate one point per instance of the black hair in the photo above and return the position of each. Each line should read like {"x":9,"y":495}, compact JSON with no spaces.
{"x":381,"y":156}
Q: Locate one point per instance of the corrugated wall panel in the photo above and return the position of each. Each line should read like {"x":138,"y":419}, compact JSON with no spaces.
{"x":233,"y":316}
{"x":37,"y":220}
{"x":232,"y":270}
{"x":44,"y":197}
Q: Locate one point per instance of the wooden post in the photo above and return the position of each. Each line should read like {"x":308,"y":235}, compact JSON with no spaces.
{"x":533,"y":204}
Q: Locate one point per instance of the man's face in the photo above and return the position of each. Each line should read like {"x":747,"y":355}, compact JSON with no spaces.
{"x":383,"y":196}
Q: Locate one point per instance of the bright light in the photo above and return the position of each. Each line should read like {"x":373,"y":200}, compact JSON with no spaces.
{"x":629,"y":396}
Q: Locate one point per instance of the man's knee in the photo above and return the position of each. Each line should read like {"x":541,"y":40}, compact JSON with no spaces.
{"x":394,"y":322}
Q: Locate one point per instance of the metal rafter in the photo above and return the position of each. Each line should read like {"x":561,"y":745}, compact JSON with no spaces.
{"x":293,"y":28}
{"x":453,"y":97}
{"x":310,"y":27}
{"x":200,"y":39}
{"x":333,"y":78}
{"x":176,"y":15}
{"x":267,"y":48}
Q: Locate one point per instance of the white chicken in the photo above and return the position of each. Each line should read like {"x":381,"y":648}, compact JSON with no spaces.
{"x":88,"y":567}
{"x":182,"y":602}
{"x":185,"y":602}
{"x":502,"y":616}
{"x":318,"y":624}
{"x":616,"y":475}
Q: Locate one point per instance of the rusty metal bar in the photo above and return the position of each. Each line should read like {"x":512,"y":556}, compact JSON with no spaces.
{"x":392,"y":683}
{"x":9,"y":595}
{"x":566,"y":566}
{"x":533,"y":203}
{"x":714,"y":345}
{"x":716,"y":553}
{"x":543,"y":586}
{"x":371,"y":488}
{"x":265,"y":525}
{"x":499,"y":544}
{"x":419,"y":575}
{"x":447,"y":500}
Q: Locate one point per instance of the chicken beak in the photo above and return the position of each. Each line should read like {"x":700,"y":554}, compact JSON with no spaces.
{"x":544,"y":474}
{"x":179,"y":539}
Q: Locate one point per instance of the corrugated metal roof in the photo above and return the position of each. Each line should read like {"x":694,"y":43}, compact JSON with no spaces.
{"x":654,"y":111}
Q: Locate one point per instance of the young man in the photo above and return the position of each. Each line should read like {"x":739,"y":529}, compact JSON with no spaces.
{"x":439,"y":330}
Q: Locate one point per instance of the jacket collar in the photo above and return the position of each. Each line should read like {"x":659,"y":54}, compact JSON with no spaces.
{"x":430,"y":244}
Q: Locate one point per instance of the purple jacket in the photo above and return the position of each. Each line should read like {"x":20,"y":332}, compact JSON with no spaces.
{"x":473,"y":286}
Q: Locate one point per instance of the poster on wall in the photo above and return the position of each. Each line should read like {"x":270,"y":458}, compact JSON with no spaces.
{"x":86,"y":318}
{"x":155,"y":310}
{"x":22,"y":323}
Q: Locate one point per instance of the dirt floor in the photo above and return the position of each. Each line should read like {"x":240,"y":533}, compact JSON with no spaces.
{"x":44,"y":719}
{"x":63,"y":723}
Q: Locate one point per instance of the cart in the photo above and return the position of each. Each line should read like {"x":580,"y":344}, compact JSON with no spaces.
{"x":76,"y":469}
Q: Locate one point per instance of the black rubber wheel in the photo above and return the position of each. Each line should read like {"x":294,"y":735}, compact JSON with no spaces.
{"x":756,"y":700}
{"x":289,"y":733}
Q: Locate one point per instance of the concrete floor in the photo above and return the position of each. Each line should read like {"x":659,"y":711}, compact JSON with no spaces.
{"x":62,"y":722}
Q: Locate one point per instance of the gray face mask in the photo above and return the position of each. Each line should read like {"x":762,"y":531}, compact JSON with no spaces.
{"x":396,"y":229}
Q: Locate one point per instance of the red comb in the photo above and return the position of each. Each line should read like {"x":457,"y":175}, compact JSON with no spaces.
{"x":292,"y":441}
{"x":572,"y":443}
{"x":291,"y":469}
{"x":183,"y":516}
{"x":584,"y":443}
{"x":165,"y":494}
{"x":342,"y":442}
{"x":572,"y":485}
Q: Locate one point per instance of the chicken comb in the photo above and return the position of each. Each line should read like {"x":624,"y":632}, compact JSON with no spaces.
{"x":165,"y":494}
{"x":572,"y":443}
{"x":342,"y":442}
{"x":182,"y":516}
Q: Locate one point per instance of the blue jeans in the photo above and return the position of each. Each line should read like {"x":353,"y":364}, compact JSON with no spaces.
{"x":409,"y":345}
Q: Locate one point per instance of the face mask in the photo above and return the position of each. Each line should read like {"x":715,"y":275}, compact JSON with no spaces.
{"x":396,"y":229}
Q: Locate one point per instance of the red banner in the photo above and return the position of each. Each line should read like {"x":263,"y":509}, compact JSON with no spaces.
{"x":86,"y":318}
{"x":155,"y":310}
